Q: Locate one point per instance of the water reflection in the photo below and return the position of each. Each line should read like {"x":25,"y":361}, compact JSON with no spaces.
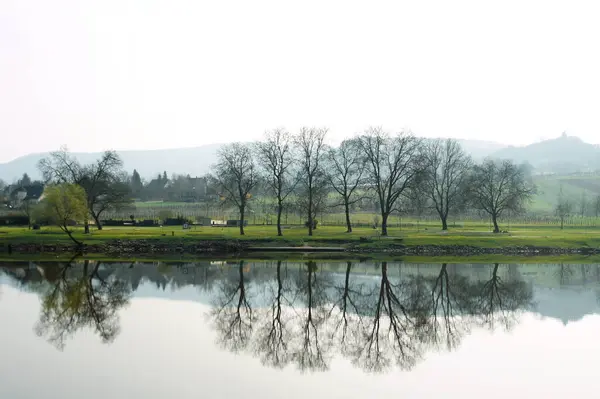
{"x":83,"y":299}
{"x":378,"y":316}
{"x":375,"y":322}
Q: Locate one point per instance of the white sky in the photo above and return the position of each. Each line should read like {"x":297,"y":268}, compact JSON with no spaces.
{"x":144,"y":74}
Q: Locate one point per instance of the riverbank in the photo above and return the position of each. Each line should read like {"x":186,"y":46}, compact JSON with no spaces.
{"x":207,"y":240}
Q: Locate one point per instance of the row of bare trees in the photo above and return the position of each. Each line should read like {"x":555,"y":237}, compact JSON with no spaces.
{"x":400,"y":172}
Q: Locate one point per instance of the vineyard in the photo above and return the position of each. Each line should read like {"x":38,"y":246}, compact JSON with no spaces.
{"x":265,"y":215}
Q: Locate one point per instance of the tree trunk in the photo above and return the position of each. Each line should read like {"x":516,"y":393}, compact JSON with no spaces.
{"x":279,"y":212}
{"x":97,"y":220}
{"x":242,"y":209}
{"x":384,"y":219}
{"x":348,"y":223}
{"x":495,"y":221}
{"x":444,"y":222}
{"x":86,"y":227}
{"x":562,"y":223}
{"x":70,"y":234}
{"x":310,"y":218}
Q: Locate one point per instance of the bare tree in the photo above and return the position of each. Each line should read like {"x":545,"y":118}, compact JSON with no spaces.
{"x":236,"y":176}
{"x":346,"y":166}
{"x":392,"y":166}
{"x":277,"y":160}
{"x":103,"y":181}
{"x":310,"y":142}
{"x":114,"y":194}
{"x":416,"y":202}
{"x":499,"y":186}
{"x":61,"y":167}
{"x":563,"y":208}
{"x":446,"y":170}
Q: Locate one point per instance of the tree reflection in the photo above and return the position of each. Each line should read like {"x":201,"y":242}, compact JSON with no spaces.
{"x":376,"y":324}
{"x":309,"y":351}
{"x":499,"y":301}
{"x":232,"y":314}
{"x":390,"y":333}
{"x":450,"y":302}
{"x":85,"y":301}
{"x":347,"y":312}
{"x":274,"y":335}
{"x":301,"y":316}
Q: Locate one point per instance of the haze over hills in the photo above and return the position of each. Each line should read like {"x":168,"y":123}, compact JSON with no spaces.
{"x":195,"y":161}
{"x":564,"y":154}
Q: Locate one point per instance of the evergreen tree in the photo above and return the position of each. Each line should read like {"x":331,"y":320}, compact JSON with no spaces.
{"x":136,"y":183}
{"x":25,"y":180}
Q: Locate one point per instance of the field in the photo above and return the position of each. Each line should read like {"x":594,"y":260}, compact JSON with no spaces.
{"x":472,"y":234}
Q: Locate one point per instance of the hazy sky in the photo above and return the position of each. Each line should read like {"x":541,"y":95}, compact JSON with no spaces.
{"x":145,"y":74}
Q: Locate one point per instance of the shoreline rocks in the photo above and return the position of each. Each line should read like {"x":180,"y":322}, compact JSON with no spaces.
{"x":225,"y":247}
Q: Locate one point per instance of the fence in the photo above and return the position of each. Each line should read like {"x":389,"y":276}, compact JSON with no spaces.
{"x":196,"y":211}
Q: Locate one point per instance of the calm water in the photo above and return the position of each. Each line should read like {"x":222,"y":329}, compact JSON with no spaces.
{"x":298,"y":330}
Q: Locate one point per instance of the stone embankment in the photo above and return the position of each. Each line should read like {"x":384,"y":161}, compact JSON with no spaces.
{"x":131,"y":247}
{"x":466,"y":250}
{"x":223,"y":247}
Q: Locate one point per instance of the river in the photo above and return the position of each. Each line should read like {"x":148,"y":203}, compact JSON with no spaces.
{"x":273,"y":329}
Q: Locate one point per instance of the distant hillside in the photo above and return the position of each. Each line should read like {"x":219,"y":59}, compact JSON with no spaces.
{"x":194,"y":161}
{"x":563,"y":155}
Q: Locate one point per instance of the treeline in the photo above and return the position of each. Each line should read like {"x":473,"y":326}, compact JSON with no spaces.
{"x":391,"y":173}
{"x":396,"y":172}
{"x":177,"y":188}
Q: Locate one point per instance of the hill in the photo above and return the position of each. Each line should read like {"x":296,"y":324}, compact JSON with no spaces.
{"x":577,"y":189}
{"x":194,"y":161}
{"x":563,"y":155}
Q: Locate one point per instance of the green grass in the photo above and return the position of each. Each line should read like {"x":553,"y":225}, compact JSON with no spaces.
{"x":471,"y":234}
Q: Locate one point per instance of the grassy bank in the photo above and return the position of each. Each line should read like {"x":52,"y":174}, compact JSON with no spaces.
{"x":475,"y":236}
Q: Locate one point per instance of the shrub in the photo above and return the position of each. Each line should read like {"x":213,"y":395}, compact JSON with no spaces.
{"x":14,"y":220}
{"x":178,"y":221}
{"x":315,"y":223}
